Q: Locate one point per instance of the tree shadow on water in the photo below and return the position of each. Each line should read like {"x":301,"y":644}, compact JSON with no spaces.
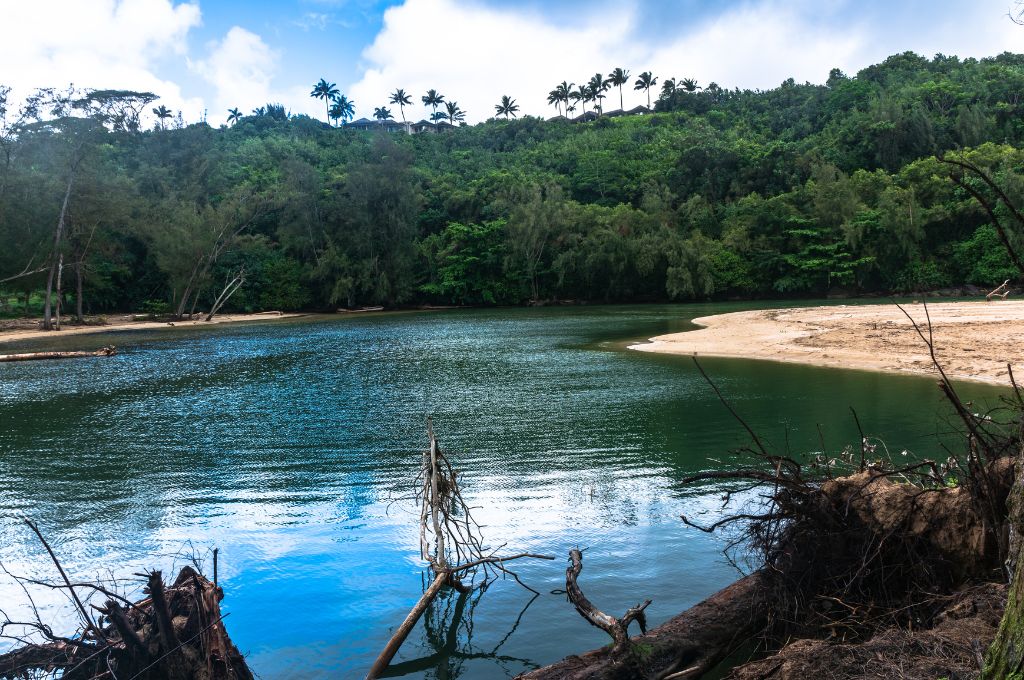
{"x":448,"y":630}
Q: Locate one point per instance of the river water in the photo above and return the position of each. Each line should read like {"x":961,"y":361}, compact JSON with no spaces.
{"x":291,"y":447}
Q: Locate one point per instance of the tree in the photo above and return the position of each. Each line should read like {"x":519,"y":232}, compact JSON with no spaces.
{"x":342,"y":109}
{"x":668,"y":88}
{"x":618,"y":78}
{"x":78,"y":138}
{"x":188,"y":239}
{"x":555,"y":99}
{"x":402,"y":99}
{"x":506,"y":107}
{"x":645,"y":82}
{"x":326,"y":91}
{"x":372,"y":246}
{"x":382,"y":114}
{"x":433,"y":99}
{"x":276,"y":111}
{"x":162,"y":113}
{"x":597,"y":86}
{"x":689,"y":84}
{"x":118,"y":110}
{"x":564,"y":92}
{"x":536,"y":211}
{"x":234,"y":115}
{"x":467,"y":263}
{"x":582,"y":95}
{"x":455,"y":114}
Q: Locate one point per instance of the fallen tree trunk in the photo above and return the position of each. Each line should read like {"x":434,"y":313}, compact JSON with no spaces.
{"x":683,"y":647}
{"x":42,"y":356}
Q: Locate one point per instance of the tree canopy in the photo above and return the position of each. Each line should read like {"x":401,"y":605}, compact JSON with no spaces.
{"x":799,"y":190}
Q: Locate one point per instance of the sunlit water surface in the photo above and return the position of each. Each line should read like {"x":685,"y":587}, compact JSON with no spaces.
{"x":291,"y":446}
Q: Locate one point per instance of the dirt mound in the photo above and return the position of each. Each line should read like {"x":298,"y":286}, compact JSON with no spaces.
{"x":950,"y":648}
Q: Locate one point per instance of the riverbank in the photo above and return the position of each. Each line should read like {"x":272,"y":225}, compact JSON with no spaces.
{"x":14,"y":330}
{"x":974,"y":340}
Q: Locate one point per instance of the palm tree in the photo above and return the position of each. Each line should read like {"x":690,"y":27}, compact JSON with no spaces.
{"x":564,"y":91}
{"x":234,"y":115}
{"x":598,"y":86}
{"x":402,"y":99}
{"x":259,"y":111}
{"x":326,"y":91}
{"x":668,"y":88}
{"x":438,"y":116}
{"x":555,"y":99}
{"x":645,"y":82}
{"x":162,"y":113}
{"x":334,"y":113}
{"x":690,"y":85}
{"x":433,"y":98}
{"x":346,"y":108}
{"x":507,"y":106}
{"x":581,"y":94}
{"x":618,"y":78}
{"x":382,"y":114}
{"x":455,"y":114}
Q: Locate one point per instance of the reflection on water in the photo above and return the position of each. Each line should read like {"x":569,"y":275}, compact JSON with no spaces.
{"x":282,"y":445}
{"x":448,"y":625}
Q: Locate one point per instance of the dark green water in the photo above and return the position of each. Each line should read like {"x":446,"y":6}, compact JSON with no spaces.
{"x":281,"y":444}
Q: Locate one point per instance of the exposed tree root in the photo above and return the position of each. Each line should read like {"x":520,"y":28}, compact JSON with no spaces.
{"x":948,"y":649}
{"x":176,"y":633}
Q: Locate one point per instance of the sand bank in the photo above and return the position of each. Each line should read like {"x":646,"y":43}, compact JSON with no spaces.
{"x":974,"y":340}
{"x":28,"y":329}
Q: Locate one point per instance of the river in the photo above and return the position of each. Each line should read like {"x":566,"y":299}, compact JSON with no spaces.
{"x":292,"y":448}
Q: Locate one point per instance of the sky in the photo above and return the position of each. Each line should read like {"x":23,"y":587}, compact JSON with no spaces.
{"x":203,"y":57}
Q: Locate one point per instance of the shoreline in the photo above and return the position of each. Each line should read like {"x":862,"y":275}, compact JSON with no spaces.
{"x":29,"y":329}
{"x":974,"y":340}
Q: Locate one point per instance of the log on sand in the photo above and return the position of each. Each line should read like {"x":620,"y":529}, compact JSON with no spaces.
{"x":40,"y":356}
{"x":685,"y":646}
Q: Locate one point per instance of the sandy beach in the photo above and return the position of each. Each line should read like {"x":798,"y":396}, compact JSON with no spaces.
{"x":974,"y":340}
{"x":28,"y":329}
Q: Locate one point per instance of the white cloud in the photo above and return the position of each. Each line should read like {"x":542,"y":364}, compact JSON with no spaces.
{"x":474,"y":53}
{"x":96,"y":44}
{"x":244,"y":72}
{"x":240,"y":67}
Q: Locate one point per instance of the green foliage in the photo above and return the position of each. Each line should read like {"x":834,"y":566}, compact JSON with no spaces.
{"x":982,"y":260}
{"x":467,"y":261}
{"x":796,"y":190}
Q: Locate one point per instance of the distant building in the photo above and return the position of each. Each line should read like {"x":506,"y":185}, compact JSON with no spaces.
{"x":399,"y":126}
{"x":425,"y":126}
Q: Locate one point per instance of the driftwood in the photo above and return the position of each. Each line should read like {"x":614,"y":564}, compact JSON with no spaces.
{"x":41,"y":356}
{"x":450,"y":543}
{"x":176,"y":633}
{"x":683,"y":647}
{"x":1001,"y":292}
{"x":618,"y":629}
{"x":359,"y":310}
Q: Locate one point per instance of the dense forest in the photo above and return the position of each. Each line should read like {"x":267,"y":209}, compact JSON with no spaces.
{"x":801,"y":190}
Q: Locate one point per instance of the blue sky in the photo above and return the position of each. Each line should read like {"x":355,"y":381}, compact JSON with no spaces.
{"x":208,"y":55}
